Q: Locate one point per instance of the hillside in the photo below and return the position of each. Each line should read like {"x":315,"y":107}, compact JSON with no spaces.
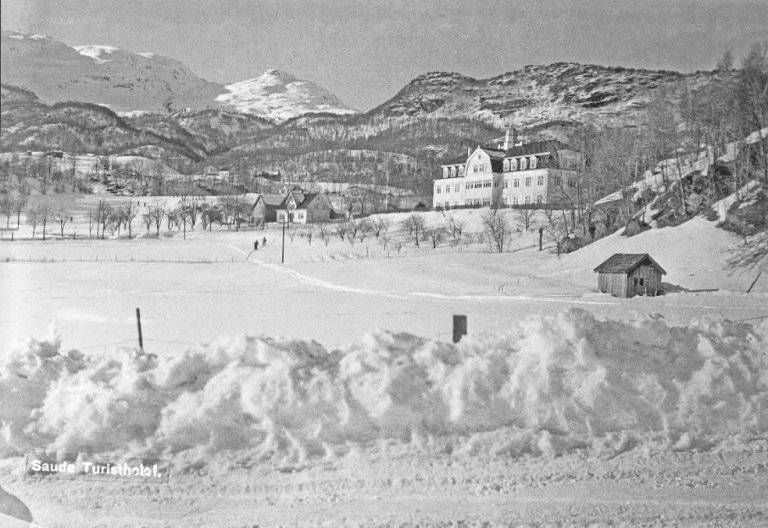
{"x":29,"y":124}
{"x":560,"y":91}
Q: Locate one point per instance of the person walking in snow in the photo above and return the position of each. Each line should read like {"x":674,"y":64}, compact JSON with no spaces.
{"x":264,"y":242}
{"x":256,"y":246}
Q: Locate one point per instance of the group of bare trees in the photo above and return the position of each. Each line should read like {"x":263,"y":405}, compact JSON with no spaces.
{"x":680,"y":124}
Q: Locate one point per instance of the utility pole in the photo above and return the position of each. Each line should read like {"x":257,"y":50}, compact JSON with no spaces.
{"x":282,"y":256}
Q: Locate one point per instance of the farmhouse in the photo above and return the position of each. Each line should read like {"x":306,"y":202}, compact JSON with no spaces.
{"x":628,"y":274}
{"x":300,"y":208}
{"x":536,"y":173}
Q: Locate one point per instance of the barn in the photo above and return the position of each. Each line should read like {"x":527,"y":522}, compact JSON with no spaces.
{"x":630,"y":274}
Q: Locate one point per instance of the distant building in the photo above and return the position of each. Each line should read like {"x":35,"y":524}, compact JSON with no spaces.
{"x":627,"y":275}
{"x":298,"y":208}
{"x":258,"y":209}
{"x":537,"y":173}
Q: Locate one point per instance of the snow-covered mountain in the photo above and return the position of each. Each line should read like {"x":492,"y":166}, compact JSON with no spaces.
{"x":130,"y":82}
{"x":278,"y":96}
{"x":119,"y":79}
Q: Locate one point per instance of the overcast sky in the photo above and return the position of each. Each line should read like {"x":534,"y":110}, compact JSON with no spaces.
{"x":364,"y":51}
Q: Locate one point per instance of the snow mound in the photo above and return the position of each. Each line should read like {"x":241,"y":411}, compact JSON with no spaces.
{"x":549,"y":384}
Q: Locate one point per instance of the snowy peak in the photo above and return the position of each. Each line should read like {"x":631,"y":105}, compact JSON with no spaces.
{"x":278,"y":96}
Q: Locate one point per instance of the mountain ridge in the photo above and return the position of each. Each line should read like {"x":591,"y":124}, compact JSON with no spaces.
{"x":130,"y":82}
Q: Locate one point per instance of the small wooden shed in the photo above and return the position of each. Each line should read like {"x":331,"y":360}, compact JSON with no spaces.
{"x":630,"y":274}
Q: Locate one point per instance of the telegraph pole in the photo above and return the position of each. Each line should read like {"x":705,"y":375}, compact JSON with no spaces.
{"x":282,"y":256}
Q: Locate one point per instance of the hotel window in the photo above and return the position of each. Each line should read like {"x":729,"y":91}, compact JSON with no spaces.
{"x":558,"y":180}
{"x":527,"y":199}
{"x":439,"y":189}
{"x":523,"y":163}
{"x":513,"y":164}
{"x":486,"y":201}
{"x":516,"y":182}
{"x":528,"y":181}
{"x":540,"y":181}
{"x":506,"y":185}
{"x":533,"y":162}
{"x":539,"y":199}
{"x":514,"y":200}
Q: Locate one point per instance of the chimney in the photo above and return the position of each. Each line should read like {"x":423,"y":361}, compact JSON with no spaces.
{"x":469,"y":151}
{"x":506,"y":140}
{"x":513,"y":137}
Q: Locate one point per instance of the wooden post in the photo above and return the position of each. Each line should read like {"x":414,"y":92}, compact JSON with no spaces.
{"x":541,"y":236}
{"x":138,"y":324}
{"x":282,"y":255}
{"x":459,"y":327}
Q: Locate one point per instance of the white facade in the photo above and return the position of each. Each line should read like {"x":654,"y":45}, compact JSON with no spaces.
{"x":528,"y":179}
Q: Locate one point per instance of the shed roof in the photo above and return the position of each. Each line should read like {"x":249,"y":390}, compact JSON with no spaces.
{"x":627,"y":262}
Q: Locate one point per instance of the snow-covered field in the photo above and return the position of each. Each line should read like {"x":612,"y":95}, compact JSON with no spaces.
{"x":326,"y":390}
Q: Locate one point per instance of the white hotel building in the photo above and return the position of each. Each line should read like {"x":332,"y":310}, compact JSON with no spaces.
{"x":538,"y":173}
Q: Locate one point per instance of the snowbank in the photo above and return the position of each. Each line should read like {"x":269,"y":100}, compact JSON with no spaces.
{"x":550,"y":384}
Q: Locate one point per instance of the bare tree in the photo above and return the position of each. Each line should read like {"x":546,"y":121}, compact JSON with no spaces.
{"x":158,"y":211}
{"x":455,"y":229}
{"x":524,"y":218}
{"x":341,"y":229}
{"x":556,"y":229}
{"x":45,"y":212}
{"x":147,"y":219}
{"x":414,"y":225}
{"x":32,"y":212}
{"x":325,"y":233}
{"x":129,"y":211}
{"x":62,"y":217}
{"x":363,"y":229}
{"x":6,"y":207}
{"x":436,"y":235}
{"x":380,"y":225}
{"x":309,"y":232}
{"x":496,"y":226}
{"x":20,"y":201}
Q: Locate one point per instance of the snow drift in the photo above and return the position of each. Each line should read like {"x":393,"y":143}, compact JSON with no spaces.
{"x":549,"y":383}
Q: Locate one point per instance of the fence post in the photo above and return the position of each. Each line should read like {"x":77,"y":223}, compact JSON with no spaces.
{"x":138,"y":324}
{"x":459,"y":327}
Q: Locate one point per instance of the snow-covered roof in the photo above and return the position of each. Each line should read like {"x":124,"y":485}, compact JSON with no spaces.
{"x":627,"y":262}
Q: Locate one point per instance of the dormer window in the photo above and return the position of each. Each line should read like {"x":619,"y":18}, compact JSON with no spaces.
{"x":523,"y":163}
{"x":513,"y":164}
{"x":506,"y":165}
{"x":453,"y":172}
{"x":533,"y":162}
{"x":446,"y":172}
